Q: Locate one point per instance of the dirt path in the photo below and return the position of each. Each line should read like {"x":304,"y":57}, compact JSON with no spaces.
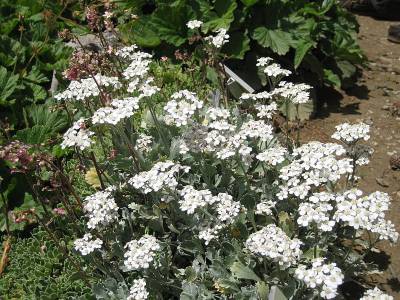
{"x":378,"y":91}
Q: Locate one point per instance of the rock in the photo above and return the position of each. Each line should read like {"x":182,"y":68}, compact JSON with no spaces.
{"x":395,"y":162}
{"x":382,"y":182}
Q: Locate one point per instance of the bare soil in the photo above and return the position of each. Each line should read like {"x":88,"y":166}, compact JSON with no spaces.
{"x":374,"y":100}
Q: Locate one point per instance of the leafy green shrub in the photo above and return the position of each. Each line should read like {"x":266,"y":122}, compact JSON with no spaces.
{"x":38,"y":270}
{"x":201,"y":197}
{"x":316,"y":38}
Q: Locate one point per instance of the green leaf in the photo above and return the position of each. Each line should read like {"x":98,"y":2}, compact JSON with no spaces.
{"x":301,"y":50}
{"x":140,"y":32}
{"x":239,"y":44}
{"x":170,"y":21}
{"x":8,"y":84}
{"x":276,"y":294}
{"x":331,"y":78}
{"x":262,"y":290}
{"x":277,"y":40}
{"x":222,"y":15}
{"x":240,"y":271}
{"x":249,"y":2}
{"x":347,"y":68}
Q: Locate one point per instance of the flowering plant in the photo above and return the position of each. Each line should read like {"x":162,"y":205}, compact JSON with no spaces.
{"x":206,"y":200}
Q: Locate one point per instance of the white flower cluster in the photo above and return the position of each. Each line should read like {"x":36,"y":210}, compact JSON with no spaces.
{"x":227,"y":209}
{"x":366,"y":213}
{"x":79,"y":90}
{"x":258,"y":96}
{"x":265,"y":208}
{"x":87,"y":244}
{"x":266,"y":111}
{"x":264,"y":61}
{"x":276,"y":71}
{"x":219,"y":39}
{"x":209,"y":234}
{"x":193,"y":199}
{"x":77,"y":136}
{"x":272,"y":242}
{"x":317,"y":210}
{"x":257,"y":129}
{"x":314,"y":164}
{"x":138,"y":290}
{"x":101,"y":208}
{"x":350,"y":133}
{"x":161,"y":175}
{"x":273,"y":156}
{"x":141,"y":253}
{"x":137,"y":73}
{"x":119,"y":110}
{"x":375,"y":294}
{"x":193,"y":24}
{"x":181,"y":108}
{"x":143,"y":142}
{"x":296,"y":93}
{"x":325,"y":277}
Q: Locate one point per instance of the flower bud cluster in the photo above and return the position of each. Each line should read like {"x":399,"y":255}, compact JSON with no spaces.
{"x":77,"y":136}
{"x":376,"y":294}
{"x":350,"y":133}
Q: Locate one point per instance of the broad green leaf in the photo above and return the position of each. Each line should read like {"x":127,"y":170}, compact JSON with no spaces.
{"x":249,"y":2}
{"x":140,"y":32}
{"x":276,"y":294}
{"x":8,"y":84}
{"x":277,"y":40}
{"x":347,"y":69}
{"x":170,"y":21}
{"x":262,"y":290}
{"x":301,"y":50}
{"x":239,"y":44}
{"x":222,"y":15}
{"x":239,"y":270}
{"x":331,"y":78}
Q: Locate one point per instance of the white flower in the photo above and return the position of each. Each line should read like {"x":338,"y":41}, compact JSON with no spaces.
{"x":80,"y":90}
{"x":227,"y":209}
{"x":77,"y":136}
{"x":219,"y":39}
{"x":193,"y":199}
{"x":265,"y":208}
{"x":101,"y":208}
{"x":87,"y":244}
{"x":273,"y":156}
{"x":296,"y":93}
{"x":141,"y":253}
{"x":193,"y":24}
{"x":263,"y":61}
{"x":275,"y":70}
{"x":259,"y":96}
{"x":143,"y":142}
{"x":376,"y":294}
{"x":325,"y":277}
{"x":181,"y":108}
{"x":161,"y":175}
{"x":266,"y":111}
{"x":351,"y":133}
{"x":318,"y":213}
{"x":257,"y":129}
{"x":119,"y":110}
{"x":272,"y":242}
{"x":138,"y":290}
{"x":366,"y":213}
{"x":209,"y":234}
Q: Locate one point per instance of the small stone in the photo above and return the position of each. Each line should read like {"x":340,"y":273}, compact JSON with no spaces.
{"x":382,"y":182}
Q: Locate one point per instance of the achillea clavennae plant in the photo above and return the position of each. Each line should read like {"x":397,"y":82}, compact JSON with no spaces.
{"x":208,"y":201}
